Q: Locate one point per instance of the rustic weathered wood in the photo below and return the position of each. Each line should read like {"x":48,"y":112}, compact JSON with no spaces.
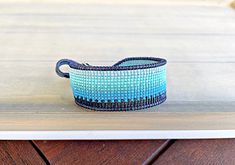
{"x":197,"y":152}
{"x":206,"y":82}
{"x":18,"y":152}
{"x":126,"y":121}
{"x":98,"y":152}
{"x":197,"y":40}
{"x":106,"y":34}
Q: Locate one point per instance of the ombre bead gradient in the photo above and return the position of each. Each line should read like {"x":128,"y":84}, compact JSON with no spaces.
{"x":121,"y":85}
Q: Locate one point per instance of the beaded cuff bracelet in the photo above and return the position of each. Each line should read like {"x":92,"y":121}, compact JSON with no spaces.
{"x":130,"y":84}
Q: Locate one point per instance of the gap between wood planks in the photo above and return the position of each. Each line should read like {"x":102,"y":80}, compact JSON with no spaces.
{"x":40,"y":153}
{"x":156,"y":154}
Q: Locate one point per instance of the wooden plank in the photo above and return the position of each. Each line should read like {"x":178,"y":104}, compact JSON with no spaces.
{"x":98,"y":152}
{"x":108,"y":50}
{"x":197,"y":152}
{"x":109,"y":20}
{"x":128,"y":121}
{"x":18,"y":152}
{"x":206,"y":82}
{"x":39,"y":33}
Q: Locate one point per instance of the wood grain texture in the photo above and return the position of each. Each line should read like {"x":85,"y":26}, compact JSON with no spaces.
{"x":27,"y":85}
{"x":197,"y":152}
{"x":98,"y":152}
{"x":18,"y":152}
{"x":139,"y":121}
{"x":197,"y":40}
{"x":108,"y":33}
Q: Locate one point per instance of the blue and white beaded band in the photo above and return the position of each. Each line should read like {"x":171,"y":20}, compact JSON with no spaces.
{"x":131,"y":84}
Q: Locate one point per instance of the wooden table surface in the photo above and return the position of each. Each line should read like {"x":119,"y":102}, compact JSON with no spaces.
{"x":158,"y":152}
{"x":196,"y":37}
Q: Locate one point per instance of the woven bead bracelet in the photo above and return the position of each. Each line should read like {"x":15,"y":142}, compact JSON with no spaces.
{"x":130,"y":84}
